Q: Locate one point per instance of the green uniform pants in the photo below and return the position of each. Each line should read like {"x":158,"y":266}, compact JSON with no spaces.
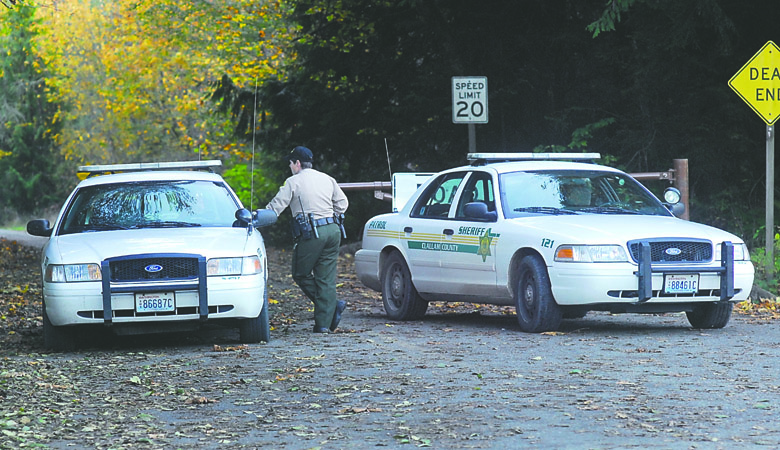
{"x":315,"y":267}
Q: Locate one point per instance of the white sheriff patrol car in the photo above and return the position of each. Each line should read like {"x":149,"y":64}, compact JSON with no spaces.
{"x":153,"y":247}
{"x":554,"y":238}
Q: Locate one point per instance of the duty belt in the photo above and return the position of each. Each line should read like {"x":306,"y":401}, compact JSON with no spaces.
{"x":324,"y":221}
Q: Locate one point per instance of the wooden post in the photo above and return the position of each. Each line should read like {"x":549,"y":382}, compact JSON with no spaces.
{"x":681,"y":183}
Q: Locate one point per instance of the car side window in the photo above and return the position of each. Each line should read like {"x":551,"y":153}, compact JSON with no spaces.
{"x":437,"y":199}
{"x":479,"y":188}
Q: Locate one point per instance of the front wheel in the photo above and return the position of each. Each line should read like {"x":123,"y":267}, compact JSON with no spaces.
{"x":399,"y":296}
{"x":712,"y":315}
{"x":258,"y":328}
{"x":537,"y":310}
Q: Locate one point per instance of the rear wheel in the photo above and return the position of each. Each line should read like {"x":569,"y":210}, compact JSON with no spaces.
{"x":712,"y":315}
{"x":57,"y":338}
{"x":256,"y":329}
{"x":536,"y":307}
{"x":399,"y":296}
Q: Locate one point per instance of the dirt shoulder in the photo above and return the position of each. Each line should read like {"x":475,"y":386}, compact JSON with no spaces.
{"x":464,"y":377}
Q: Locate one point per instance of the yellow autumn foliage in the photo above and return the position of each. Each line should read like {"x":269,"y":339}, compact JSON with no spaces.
{"x":135,"y":75}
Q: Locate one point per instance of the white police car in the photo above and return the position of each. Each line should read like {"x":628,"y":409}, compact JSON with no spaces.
{"x":156,"y":247}
{"x":554,"y":238}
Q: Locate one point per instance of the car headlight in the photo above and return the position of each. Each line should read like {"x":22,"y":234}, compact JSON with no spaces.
{"x":248,"y":265}
{"x":741,"y":252}
{"x":72,"y":273}
{"x":590,"y":253}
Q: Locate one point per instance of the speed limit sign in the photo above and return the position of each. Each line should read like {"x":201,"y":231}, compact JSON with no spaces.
{"x":469,"y":100}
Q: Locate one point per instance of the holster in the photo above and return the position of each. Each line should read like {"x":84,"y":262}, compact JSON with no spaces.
{"x":339,"y":219}
{"x":301,"y":228}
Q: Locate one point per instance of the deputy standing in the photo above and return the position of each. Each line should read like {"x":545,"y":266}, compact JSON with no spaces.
{"x":315,"y":199}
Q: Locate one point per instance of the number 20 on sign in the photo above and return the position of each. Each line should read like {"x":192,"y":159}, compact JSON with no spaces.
{"x":469,"y":100}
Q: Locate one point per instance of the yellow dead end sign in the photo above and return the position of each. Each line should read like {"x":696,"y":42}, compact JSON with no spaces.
{"x":758,"y":82}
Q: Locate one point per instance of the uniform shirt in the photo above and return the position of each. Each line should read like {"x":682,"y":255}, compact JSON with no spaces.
{"x":311,"y":192}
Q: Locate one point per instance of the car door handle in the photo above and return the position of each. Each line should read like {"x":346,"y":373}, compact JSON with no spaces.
{"x":407,"y":229}
{"x":448,"y":232}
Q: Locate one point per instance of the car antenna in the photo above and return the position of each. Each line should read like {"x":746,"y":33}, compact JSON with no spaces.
{"x":387,"y":150}
{"x":252,"y":173}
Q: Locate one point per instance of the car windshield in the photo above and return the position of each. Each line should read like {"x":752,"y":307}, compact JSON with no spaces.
{"x":153,"y":204}
{"x":575,"y":192}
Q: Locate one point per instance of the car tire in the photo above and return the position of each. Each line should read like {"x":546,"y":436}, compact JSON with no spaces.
{"x":536,"y":308}
{"x":57,"y":338}
{"x":257,"y":329}
{"x":399,"y":296}
{"x":712,"y":315}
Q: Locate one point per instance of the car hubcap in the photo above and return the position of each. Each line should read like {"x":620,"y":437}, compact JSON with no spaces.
{"x":396,"y":285}
{"x":529,"y":295}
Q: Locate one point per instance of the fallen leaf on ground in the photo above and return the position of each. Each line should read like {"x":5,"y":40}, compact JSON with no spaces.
{"x":199,"y":401}
{"x":358,"y":410}
{"x":232,"y":348}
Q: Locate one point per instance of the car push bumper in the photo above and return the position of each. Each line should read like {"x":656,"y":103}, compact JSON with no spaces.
{"x":642,"y":283}
{"x":646,"y":271}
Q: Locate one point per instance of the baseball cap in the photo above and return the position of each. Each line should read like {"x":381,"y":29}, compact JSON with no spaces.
{"x":299,"y":153}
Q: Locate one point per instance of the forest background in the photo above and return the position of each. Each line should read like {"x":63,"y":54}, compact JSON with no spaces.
{"x":642,"y":82}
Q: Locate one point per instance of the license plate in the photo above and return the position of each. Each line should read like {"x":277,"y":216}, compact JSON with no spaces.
{"x":154,"y":302}
{"x":681,"y":284}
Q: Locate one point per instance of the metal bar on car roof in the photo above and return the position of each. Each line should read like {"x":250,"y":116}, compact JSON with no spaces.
{"x":141,"y":167}
{"x":532,"y":156}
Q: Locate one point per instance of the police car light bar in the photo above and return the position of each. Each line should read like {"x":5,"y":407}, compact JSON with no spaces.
{"x":532,"y":156}
{"x":140,"y":167}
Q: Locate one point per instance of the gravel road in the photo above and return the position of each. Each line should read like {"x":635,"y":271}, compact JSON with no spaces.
{"x":463,"y":377}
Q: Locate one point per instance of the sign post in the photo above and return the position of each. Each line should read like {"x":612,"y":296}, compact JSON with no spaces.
{"x":470,"y":104}
{"x":770,"y":203}
{"x":758,"y":84}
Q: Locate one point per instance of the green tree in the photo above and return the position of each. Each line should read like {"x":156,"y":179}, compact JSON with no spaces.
{"x":28,"y":118}
{"x":375,"y":73}
{"x":652,"y":89}
{"x":367,"y":71}
{"x":610,"y":17}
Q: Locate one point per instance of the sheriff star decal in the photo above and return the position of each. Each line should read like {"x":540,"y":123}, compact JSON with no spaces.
{"x":484,"y":245}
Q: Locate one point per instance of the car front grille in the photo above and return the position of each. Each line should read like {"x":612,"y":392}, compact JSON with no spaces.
{"x":180,"y":311}
{"x":153,"y":268}
{"x":674,"y":251}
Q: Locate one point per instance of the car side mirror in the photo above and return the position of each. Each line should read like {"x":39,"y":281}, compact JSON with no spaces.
{"x":39,"y":227}
{"x":263,"y":218}
{"x":678,"y":209}
{"x":475,"y":210}
{"x":479,"y":211}
{"x":243,"y":218}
